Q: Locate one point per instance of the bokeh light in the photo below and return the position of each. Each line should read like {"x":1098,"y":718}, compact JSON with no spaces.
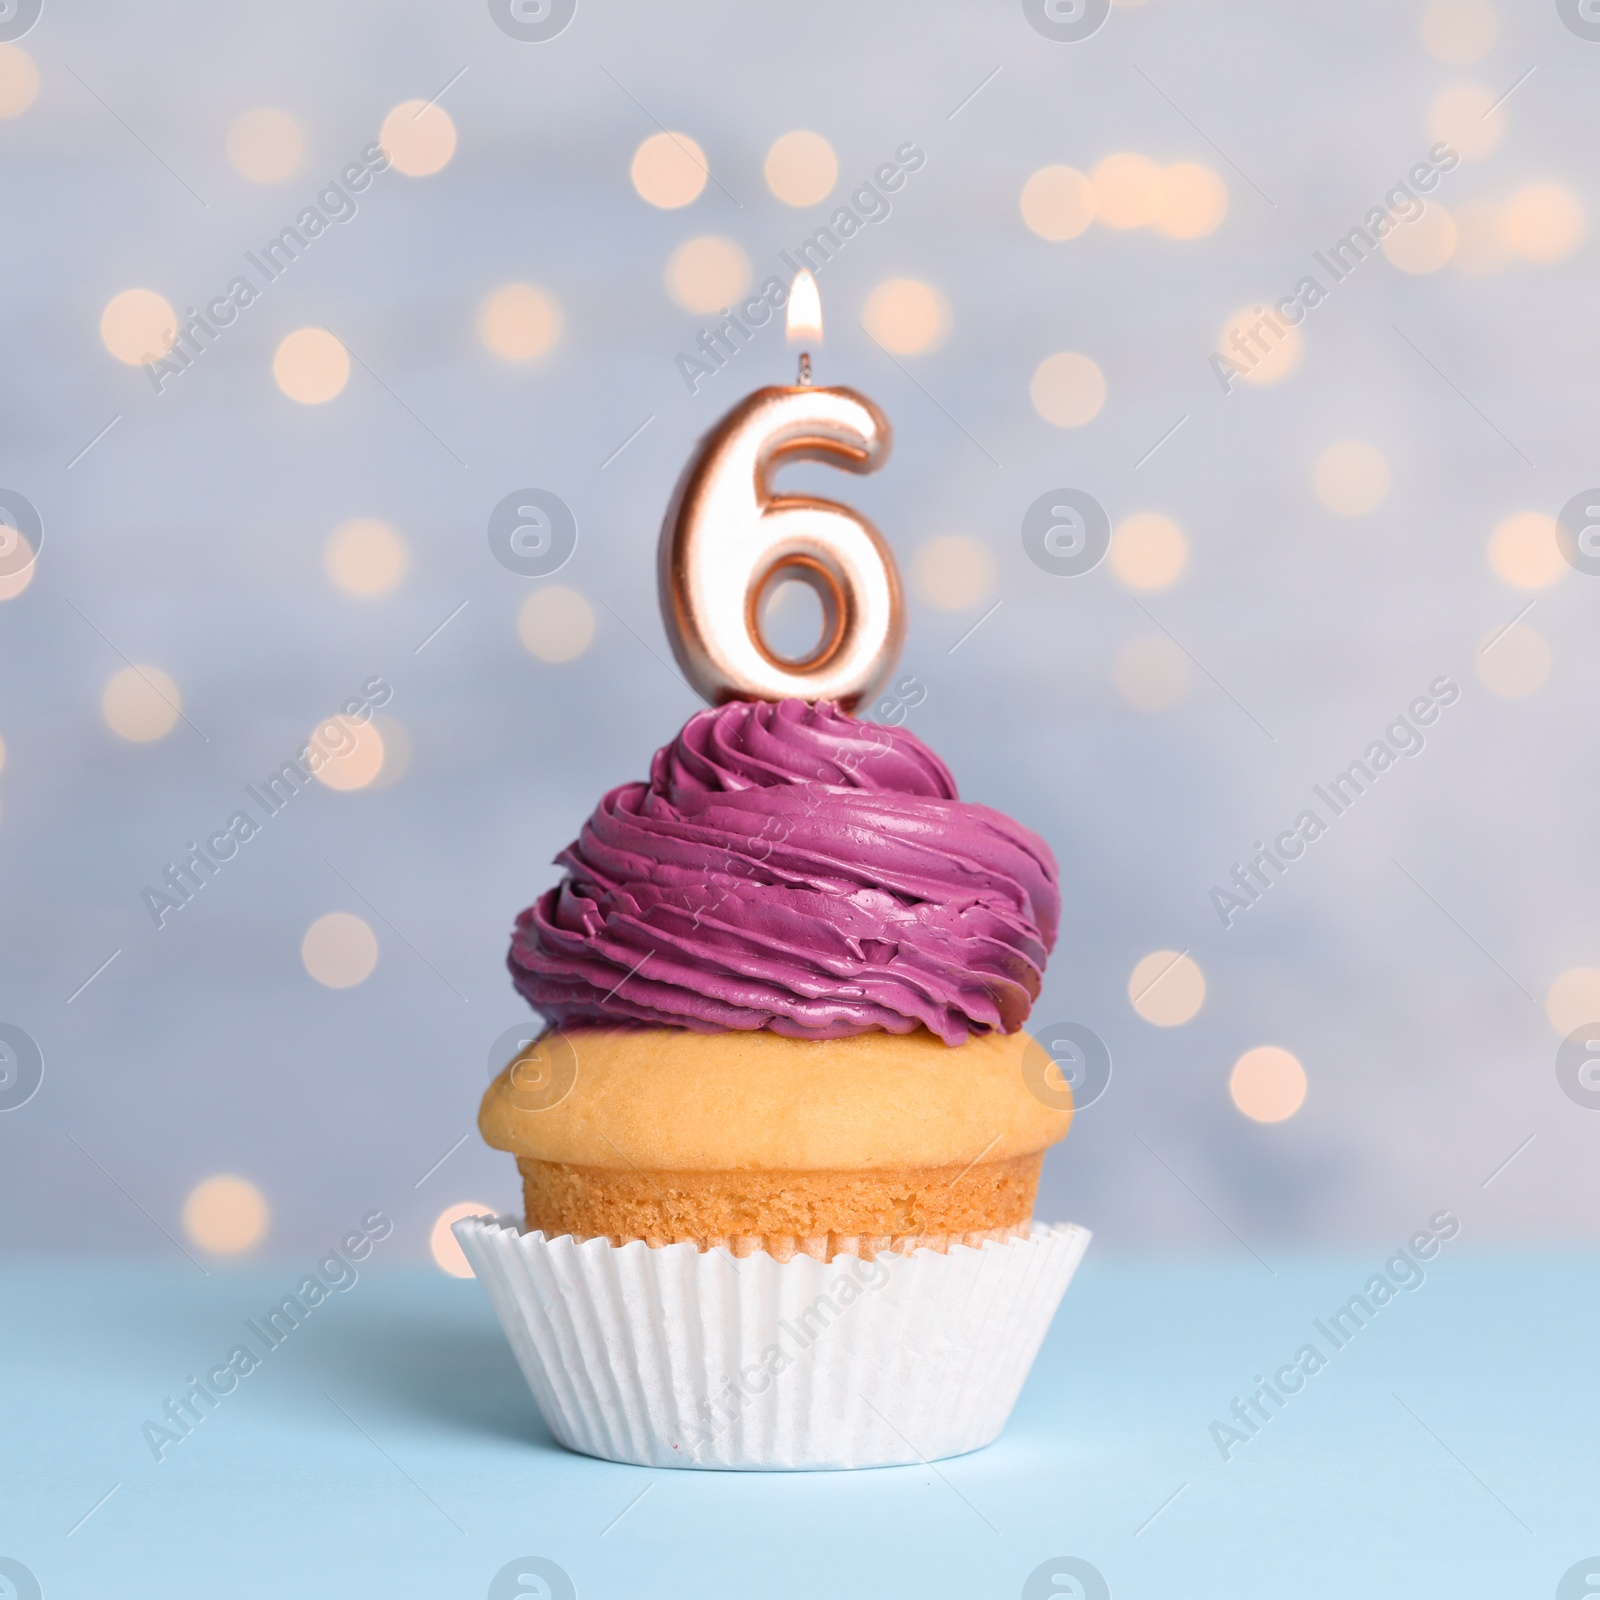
{"x":1459,"y":32}
{"x":366,"y":557}
{"x":1573,"y":1000}
{"x":265,"y":145}
{"x":352,"y":752}
{"x":137,"y":326}
{"x":2,"y":755}
{"x":1513,"y":661}
{"x":1351,"y":478}
{"x":1267,"y":1084}
{"x":226,"y":1215}
{"x":1068,"y":389}
{"x":141,"y":704}
{"x":1148,"y":551}
{"x":1167,"y":988}
{"x":1126,"y":187}
{"x":1425,"y":243}
{"x":801,"y":168}
{"x":669,"y":170}
{"x":707,"y":274}
{"x":1543,"y":222}
{"x":19,"y":81}
{"x":13,"y":583}
{"x":311,"y":366}
{"x":1300,"y":552}
{"x":339,"y":950}
{"x":1524,"y":552}
{"x":1190,"y":202}
{"x":1151,"y":673}
{"x":954,"y":573}
{"x":442,"y":1243}
{"x":519,"y":322}
{"x":418,"y":137}
{"x":1461,"y":116}
{"x":1268,"y":348}
{"x":1058,"y":203}
{"x":906,"y":316}
{"x":555,"y":624}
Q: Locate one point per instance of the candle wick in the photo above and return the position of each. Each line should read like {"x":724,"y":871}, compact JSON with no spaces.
{"x":805,"y":367}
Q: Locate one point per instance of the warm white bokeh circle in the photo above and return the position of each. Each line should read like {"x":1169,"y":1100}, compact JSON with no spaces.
{"x":366,"y":557}
{"x":707,"y":274}
{"x":519,"y":322}
{"x":669,"y":170}
{"x":1512,"y":662}
{"x":1351,"y":478}
{"x":906,"y":316}
{"x":1573,"y":1000}
{"x":141,"y":704}
{"x":226,"y":1215}
{"x":1462,"y":117}
{"x":19,"y":81}
{"x":311,"y":366}
{"x":1191,"y":201}
{"x":1268,"y":348}
{"x":954,"y":572}
{"x":1126,"y":190}
{"x":1167,"y":988}
{"x":1267,"y":1084}
{"x":1057,"y":203}
{"x":13,"y":583}
{"x":1459,"y":32}
{"x":1068,"y":389}
{"x":265,"y":145}
{"x":419,"y":138}
{"x":1425,"y":243}
{"x":1149,"y":551}
{"x":138,"y":326}
{"x":1543,"y":223}
{"x":352,"y":753}
{"x":801,"y":168}
{"x":556,"y":624}
{"x":1524,"y":551}
{"x":339,"y":950}
{"x":442,"y":1243}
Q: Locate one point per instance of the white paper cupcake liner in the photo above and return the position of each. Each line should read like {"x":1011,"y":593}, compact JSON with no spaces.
{"x":673,"y":1357}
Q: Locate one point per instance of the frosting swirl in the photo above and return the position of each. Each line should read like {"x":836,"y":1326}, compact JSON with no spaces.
{"x":788,"y":867}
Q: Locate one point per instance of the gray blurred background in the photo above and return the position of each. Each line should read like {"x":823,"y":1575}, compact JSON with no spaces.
{"x":1421,"y":961}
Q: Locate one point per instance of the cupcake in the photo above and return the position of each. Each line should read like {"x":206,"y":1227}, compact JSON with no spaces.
{"x":785,"y":983}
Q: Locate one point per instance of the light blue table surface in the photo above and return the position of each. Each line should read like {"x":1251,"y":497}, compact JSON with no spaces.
{"x":390,"y":1447}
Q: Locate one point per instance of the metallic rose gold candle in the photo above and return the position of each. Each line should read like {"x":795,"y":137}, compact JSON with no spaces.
{"x":729,"y":538}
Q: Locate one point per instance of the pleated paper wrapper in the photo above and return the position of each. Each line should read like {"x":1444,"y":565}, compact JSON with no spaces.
{"x":673,"y":1357}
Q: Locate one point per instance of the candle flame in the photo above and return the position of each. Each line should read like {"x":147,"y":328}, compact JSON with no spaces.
{"x":805,"y":309}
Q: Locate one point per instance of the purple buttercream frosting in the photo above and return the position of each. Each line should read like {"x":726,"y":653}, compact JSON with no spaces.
{"x":791,"y":868}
